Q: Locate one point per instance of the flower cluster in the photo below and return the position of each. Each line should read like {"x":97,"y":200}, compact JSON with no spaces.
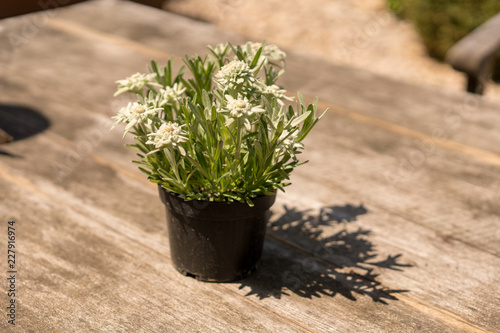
{"x":270,"y":53}
{"x":134,"y":114}
{"x":240,"y":108}
{"x":274,"y":91}
{"x":224,"y":133}
{"x":171,"y":95}
{"x":136,"y":83}
{"x":168,"y":135}
{"x":233,"y":75}
{"x":289,"y":142}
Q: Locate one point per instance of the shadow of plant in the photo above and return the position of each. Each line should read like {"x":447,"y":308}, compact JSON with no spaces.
{"x":17,"y":123}
{"x":341,"y":263}
{"x":21,"y":122}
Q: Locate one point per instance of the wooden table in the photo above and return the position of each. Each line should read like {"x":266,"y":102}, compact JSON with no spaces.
{"x":393,"y":225}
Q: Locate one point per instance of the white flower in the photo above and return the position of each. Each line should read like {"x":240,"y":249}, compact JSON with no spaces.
{"x":275,"y":91}
{"x":270,"y":53}
{"x":134,"y":113}
{"x":170,"y":95}
{"x":288,"y":142}
{"x":169,"y":134}
{"x":136,"y":82}
{"x":240,"y":108}
{"x":234,"y":74}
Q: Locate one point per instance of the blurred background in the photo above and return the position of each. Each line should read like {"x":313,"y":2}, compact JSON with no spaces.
{"x":403,"y":39}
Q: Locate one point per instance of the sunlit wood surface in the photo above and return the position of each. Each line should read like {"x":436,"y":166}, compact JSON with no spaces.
{"x":393,"y":225}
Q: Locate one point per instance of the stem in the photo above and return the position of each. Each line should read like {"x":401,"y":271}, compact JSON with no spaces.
{"x":237,"y":147}
{"x":238,"y":139}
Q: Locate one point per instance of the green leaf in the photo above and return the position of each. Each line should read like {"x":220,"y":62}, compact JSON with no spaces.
{"x":198,"y":166}
{"x":249,"y":202}
{"x":206,"y":102}
{"x":301,"y":99}
{"x":300,"y":118}
{"x":233,"y":196}
{"x":256,"y":58}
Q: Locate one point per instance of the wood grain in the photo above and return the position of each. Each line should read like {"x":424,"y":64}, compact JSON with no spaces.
{"x":384,"y":240}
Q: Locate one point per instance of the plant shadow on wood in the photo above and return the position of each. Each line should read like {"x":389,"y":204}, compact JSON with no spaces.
{"x":341,"y":262}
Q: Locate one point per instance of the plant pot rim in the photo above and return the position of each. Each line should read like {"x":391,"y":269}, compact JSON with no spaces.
{"x":206,"y":209}
{"x":212,"y":202}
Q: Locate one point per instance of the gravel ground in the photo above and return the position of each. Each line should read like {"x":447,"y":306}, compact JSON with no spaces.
{"x":357,"y":33}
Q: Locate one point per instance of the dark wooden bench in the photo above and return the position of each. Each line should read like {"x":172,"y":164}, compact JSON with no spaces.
{"x":475,"y":53}
{"x":15,"y":8}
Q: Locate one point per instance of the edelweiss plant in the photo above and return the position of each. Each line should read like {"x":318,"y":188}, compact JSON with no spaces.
{"x":222,"y":133}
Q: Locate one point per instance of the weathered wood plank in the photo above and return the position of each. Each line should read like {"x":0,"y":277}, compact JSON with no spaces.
{"x":104,"y":270}
{"x":89,"y":207}
{"x":278,"y":263}
{"x":161,"y":30}
{"x":446,"y":188}
{"x":86,"y":185}
{"x":457,"y":116}
{"x":422,"y":115}
{"x":87,"y":215}
{"x":81,"y":269}
{"x":91,"y":219}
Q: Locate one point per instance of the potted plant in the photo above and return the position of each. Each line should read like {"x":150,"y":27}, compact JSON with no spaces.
{"x":219,"y":139}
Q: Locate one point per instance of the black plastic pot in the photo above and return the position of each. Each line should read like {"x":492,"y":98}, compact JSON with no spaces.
{"x":215,"y":241}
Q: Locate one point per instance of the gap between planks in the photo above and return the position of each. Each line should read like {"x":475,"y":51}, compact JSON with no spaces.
{"x":96,"y":35}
